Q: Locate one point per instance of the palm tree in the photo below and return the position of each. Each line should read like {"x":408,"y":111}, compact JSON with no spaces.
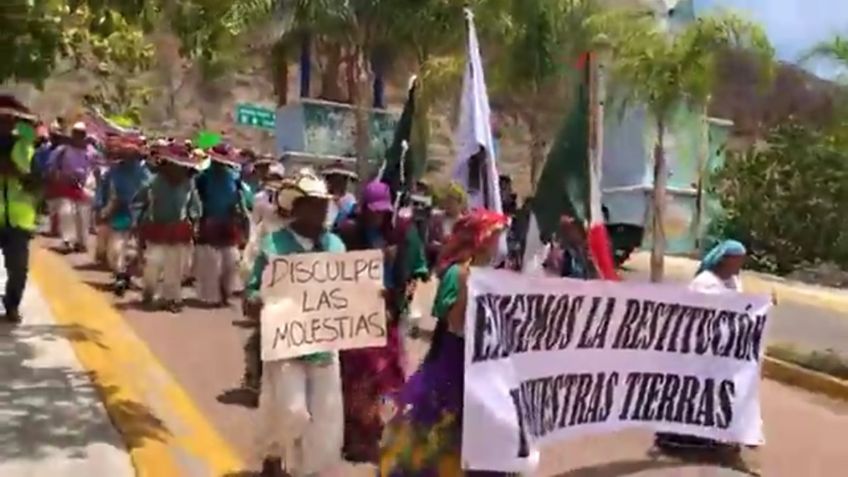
{"x":533,"y":66}
{"x":835,"y":49}
{"x":664,"y":72}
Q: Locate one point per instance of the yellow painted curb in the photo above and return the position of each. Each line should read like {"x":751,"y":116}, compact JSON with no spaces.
{"x":681,"y":268}
{"x":798,"y":293}
{"x":165,"y":433}
{"x":809,"y":380}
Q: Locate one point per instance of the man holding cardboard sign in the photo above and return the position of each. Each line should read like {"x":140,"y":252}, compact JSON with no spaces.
{"x":312,"y":300}
{"x":322,"y":302}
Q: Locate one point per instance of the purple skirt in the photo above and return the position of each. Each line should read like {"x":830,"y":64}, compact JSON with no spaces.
{"x":428,"y":411}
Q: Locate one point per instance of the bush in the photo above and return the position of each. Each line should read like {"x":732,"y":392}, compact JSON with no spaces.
{"x":788,"y":201}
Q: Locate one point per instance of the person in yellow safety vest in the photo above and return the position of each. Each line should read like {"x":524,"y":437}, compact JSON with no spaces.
{"x":19,"y":190}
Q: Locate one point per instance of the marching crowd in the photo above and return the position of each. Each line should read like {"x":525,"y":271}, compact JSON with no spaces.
{"x":174,"y":215}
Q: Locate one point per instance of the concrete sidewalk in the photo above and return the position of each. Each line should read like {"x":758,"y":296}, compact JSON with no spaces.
{"x":52,"y":422}
{"x":806,"y":316}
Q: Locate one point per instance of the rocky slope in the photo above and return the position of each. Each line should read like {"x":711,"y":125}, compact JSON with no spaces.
{"x":739,"y":96}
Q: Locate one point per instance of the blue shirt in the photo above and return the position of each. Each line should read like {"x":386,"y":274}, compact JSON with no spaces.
{"x":221,"y":192}
{"x":42,"y":155}
{"x":121,"y":183}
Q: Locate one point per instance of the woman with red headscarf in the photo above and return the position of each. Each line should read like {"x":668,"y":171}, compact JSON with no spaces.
{"x":425,"y":436}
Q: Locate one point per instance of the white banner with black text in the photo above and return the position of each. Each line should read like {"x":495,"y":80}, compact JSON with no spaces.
{"x":547,"y":359}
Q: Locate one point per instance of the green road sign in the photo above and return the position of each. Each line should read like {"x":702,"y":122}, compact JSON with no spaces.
{"x":255,"y":116}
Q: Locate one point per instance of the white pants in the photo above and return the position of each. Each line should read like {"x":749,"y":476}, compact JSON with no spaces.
{"x":74,"y":221}
{"x":163,"y":270}
{"x":216,"y":268}
{"x":302,"y":417}
{"x":53,"y":213}
{"x":189,"y":263}
{"x":101,"y":243}
{"x":119,"y":250}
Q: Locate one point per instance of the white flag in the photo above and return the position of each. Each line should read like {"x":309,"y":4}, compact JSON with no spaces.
{"x":475,"y":131}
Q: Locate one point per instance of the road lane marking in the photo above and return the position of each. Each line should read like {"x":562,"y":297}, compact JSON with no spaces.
{"x":166,"y":434}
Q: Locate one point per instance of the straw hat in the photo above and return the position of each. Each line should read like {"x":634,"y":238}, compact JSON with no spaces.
{"x":305,"y":183}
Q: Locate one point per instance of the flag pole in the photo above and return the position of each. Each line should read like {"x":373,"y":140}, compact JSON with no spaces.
{"x":599,"y":241}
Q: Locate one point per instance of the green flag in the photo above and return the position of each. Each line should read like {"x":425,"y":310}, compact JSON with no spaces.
{"x":207,"y":140}
{"x":563,"y":184}
{"x":398,"y":170}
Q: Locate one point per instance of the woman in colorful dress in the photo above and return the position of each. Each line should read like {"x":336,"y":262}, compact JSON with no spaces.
{"x":425,"y":437}
{"x":371,"y":375}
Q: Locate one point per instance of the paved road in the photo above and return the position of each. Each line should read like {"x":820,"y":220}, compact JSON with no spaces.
{"x":52,"y":422}
{"x":806,"y":434}
{"x":805,"y":326}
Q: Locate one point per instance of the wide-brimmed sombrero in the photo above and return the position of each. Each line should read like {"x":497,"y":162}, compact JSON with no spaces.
{"x":119,"y":146}
{"x":10,"y":106}
{"x":225,"y":154}
{"x":338,"y":169}
{"x":180,"y":155}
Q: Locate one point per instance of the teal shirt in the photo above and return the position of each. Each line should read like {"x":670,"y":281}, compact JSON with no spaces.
{"x":283,"y":242}
{"x":222,"y":193}
{"x":448,"y":292}
{"x":162,"y":202}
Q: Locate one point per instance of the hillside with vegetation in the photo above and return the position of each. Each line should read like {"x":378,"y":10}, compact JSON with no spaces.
{"x":177,"y":66}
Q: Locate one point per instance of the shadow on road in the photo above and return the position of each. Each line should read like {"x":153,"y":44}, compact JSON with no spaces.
{"x":627,"y":467}
{"x":238,"y":397}
{"x":46,"y":405}
{"x":735,"y":464}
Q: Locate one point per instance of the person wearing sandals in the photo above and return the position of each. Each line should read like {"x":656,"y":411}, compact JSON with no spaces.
{"x":424,"y":437}
{"x":223,"y":226}
{"x":300,"y":401}
{"x":372,"y":375}
{"x":169,"y":208}
{"x":71,"y":173}
{"x":118,"y":187}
